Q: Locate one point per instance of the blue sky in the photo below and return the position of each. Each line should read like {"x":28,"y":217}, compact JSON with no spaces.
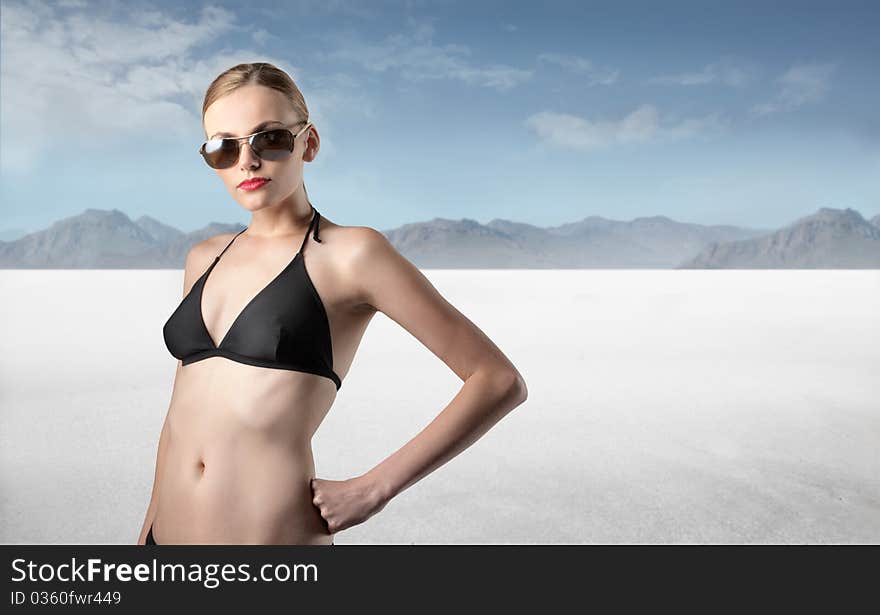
{"x":747,"y":113}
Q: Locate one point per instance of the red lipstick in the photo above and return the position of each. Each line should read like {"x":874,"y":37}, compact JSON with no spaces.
{"x":253,"y":183}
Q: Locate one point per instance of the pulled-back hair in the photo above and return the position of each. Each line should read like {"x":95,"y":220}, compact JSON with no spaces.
{"x":256,"y":73}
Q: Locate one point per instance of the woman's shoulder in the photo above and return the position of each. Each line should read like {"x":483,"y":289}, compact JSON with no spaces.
{"x":205,"y":250}
{"x":353,"y":242}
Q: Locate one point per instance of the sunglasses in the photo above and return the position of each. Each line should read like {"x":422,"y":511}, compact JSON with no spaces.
{"x":273,"y":144}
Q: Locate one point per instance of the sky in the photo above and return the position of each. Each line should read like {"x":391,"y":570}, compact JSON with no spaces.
{"x":745,"y":113}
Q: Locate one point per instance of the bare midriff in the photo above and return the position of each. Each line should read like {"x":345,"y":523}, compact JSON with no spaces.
{"x":238,"y":457}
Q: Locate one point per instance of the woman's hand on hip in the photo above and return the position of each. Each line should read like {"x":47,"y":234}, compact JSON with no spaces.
{"x":345,"y":503}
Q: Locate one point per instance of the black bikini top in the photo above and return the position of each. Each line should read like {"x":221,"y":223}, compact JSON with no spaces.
{"x":284,"y":326}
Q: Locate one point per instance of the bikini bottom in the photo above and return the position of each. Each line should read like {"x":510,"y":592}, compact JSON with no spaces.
{"x":152,"y":541}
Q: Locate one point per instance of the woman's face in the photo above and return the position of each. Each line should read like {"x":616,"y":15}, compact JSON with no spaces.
{"x":238,"y":114}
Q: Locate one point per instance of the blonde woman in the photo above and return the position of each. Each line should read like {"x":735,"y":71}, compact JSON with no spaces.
{"x":269,"y":324}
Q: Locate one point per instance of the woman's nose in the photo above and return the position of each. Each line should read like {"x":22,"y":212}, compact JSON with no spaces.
{"x":247,"y":157}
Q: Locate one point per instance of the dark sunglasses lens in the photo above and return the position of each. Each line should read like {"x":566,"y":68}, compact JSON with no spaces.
{"x":273,"y":144}
{"x":220,"y":153}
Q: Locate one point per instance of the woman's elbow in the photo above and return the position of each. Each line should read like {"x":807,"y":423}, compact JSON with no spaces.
{"x":513,"y":386}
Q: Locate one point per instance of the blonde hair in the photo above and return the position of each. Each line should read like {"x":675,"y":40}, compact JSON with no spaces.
{"x":256,"y":73}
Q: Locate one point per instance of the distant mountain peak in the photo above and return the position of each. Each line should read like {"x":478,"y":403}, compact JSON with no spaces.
{"x":833,"y":214}
{"x":105,"y":213}
{"x":829,"y":238}
{"x":656,"y":219}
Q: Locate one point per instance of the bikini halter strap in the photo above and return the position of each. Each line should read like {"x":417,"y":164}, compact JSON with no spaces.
{"x":315,"y":223}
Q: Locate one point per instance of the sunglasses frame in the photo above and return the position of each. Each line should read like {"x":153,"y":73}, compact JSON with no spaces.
{"x":250,"y":139}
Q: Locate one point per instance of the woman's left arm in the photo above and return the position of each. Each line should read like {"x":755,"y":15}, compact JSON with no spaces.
{"x":492,"y":387}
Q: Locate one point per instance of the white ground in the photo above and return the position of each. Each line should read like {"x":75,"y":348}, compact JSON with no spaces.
{"x":664,"y":407}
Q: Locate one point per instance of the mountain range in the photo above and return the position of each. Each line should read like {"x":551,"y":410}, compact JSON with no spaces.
{"x":829,"y":238}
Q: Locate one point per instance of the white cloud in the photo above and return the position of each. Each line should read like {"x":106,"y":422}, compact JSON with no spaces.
{"x":800,"y":85}
{"x":104,"y":79}
{"x":415,"y":57}
{"x":261,"y":36}
{"x":729,"y":70}
{"x":642,"y":125}
{"x":595,"y":75}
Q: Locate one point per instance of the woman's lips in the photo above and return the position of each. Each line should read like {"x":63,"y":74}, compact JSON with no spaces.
{"x":253,"y":184}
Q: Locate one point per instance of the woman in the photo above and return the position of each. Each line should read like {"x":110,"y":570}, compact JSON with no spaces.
{"x":266,"y":333}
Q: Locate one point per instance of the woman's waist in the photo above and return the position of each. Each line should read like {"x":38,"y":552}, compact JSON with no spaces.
{"x":249,"y":516}
{"x":268,"y":489}
{"x":210,"y":458}
{"x":243,"y":491}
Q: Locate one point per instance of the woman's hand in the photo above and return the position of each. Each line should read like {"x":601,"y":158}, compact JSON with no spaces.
{"x":346,"y":503}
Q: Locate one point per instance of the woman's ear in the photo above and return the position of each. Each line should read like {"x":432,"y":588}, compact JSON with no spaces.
{"x":313,"y":144}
